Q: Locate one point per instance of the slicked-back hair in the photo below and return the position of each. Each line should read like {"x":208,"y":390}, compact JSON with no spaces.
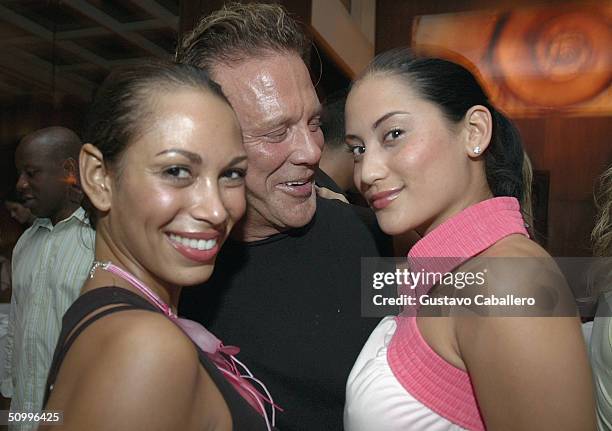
{"x":455,"y":90}
{"x":122,"y":108}
{"x":242,"y":31}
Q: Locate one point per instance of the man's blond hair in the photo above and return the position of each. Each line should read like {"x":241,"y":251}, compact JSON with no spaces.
{"x":242,"y":31}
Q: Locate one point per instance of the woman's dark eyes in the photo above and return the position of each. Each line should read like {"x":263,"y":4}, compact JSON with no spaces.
{"x":234,"y":174}
{"x":393,"y":134}
{"x":178,"y":172}
{"x":355,"y":150}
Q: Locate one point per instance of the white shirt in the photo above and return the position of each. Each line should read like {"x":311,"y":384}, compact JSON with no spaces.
{"x":50,"y":264}
{"x":376,"y":400}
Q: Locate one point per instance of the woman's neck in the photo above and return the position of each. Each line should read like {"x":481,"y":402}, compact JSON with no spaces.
{"x":455,"y":208}
{"x":106,"y":251}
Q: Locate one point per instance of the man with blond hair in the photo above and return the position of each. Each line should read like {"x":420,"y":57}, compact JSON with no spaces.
{"x":286,"y":289}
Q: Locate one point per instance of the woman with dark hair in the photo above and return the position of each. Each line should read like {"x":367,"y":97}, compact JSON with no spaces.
{"x":163,"y":170}
{"x":433,"y":155}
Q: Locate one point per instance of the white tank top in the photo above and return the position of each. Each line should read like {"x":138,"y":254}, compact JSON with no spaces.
{"x":375,"y":400}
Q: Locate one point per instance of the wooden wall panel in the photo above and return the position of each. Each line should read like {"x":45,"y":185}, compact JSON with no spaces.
{"x":575,"y":151}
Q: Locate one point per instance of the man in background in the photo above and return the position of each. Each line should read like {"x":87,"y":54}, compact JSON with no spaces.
{"x":50,"y":262}
{"x":336,"y":160}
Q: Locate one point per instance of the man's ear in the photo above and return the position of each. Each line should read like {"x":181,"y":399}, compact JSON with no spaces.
{"x":479,"y":125}
{"x":71,"y":179}
{"x":95,"y":178}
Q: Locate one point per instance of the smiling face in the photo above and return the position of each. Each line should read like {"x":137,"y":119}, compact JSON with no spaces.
{"x":411,"y":162}
{"x":279,"y":113}
{"x":177,"y":190}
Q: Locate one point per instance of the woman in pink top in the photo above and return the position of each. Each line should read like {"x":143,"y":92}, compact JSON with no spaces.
{"x":433,"y":155}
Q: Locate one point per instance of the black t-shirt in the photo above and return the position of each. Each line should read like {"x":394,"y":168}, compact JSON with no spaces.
{"x":291,"y":303}
{"x":324,"y":180}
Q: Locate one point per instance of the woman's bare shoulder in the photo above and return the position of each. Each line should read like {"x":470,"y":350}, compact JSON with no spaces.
{"x":128,"y":365}
{"x":515,"y":245}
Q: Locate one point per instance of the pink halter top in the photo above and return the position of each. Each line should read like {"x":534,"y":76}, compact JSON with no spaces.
{"x":443,"y":388}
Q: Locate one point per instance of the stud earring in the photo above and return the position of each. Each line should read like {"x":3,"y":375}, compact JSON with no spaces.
{"x":477,"y":150}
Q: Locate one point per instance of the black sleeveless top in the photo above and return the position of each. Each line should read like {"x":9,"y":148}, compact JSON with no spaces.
{"x":244,"y":417}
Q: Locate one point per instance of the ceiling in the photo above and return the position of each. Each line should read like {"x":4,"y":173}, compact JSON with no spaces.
{"x":66,"y":47}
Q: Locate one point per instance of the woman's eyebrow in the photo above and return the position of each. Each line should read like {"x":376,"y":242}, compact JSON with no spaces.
{"x":386,"y":116}
{"x":352,"y":138}
{"x":237,"y":160}
{"x":193,"y":157}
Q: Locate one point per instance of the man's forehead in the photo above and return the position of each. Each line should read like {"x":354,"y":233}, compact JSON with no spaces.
{"x":35,"y":152}
{"x":267,"y":86}
{"x":259,"y":88}
{"x":270,"y":61}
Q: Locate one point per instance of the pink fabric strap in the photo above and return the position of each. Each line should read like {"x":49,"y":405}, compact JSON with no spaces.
{"x":440,"y":386}
{"x":222,"y":356}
